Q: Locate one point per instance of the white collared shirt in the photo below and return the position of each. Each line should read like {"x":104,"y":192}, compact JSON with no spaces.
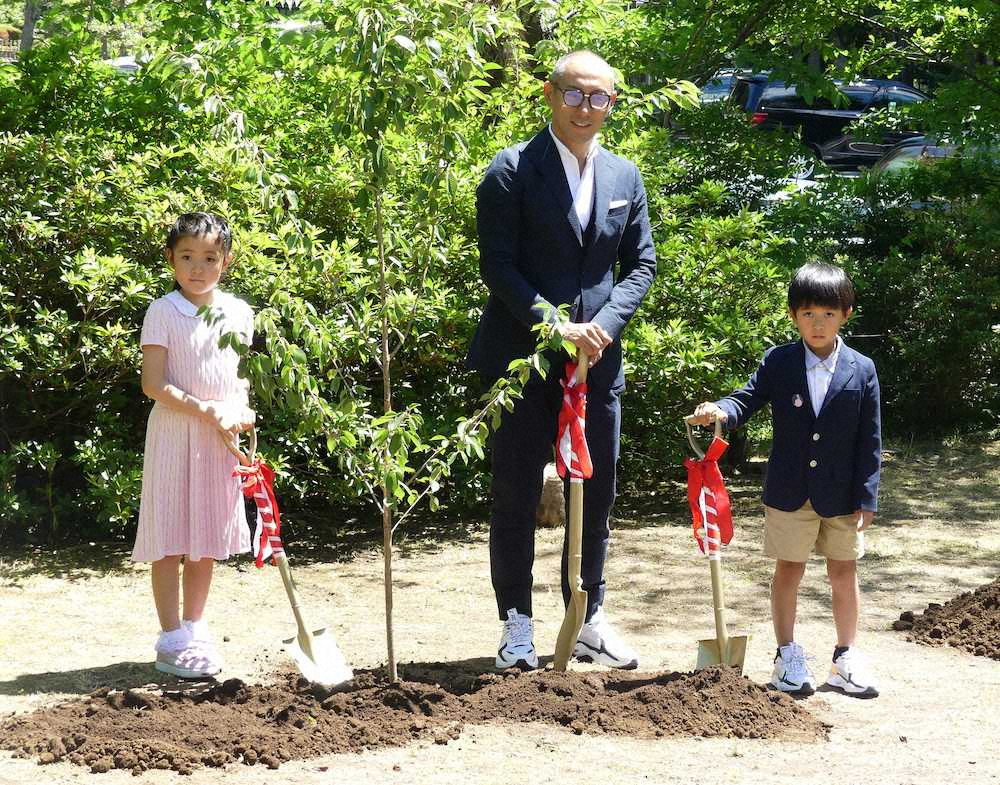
{"x":581,"y":184}
{"x":819,"y":374}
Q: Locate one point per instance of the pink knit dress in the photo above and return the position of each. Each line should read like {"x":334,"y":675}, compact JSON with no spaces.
{"x":191,"y":504}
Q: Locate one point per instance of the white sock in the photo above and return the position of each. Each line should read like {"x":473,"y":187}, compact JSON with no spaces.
{"x":173,"y":640}
{"x":197,"y":629}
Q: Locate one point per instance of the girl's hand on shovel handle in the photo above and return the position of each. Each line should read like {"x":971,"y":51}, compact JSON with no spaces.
{"x":231,"y":419}
{"x":706,"y":413}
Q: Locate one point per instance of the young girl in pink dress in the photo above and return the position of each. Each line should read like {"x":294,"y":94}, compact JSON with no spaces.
{"x":192,"y":508}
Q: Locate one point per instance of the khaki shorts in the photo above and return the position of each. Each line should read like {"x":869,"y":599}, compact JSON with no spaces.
{"x":791,"y":536}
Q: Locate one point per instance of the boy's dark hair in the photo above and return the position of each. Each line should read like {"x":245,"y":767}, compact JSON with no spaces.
{"x":819,"y":283}
{"x":200,"y":225}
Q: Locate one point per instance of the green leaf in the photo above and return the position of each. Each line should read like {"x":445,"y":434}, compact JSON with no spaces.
{"x":405,"y":43}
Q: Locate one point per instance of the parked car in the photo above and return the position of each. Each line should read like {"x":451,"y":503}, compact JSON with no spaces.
{"x":718,"y":87}
{"x":124,"y":65}
{"x":916,"y":151}
{"x":776,"y":105}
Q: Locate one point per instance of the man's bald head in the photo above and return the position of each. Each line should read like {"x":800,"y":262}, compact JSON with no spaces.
{"x":584,"y":58}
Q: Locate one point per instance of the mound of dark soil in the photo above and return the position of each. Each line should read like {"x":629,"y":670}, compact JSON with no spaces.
{"x":291,"y":719}
{"x":970,"y":621}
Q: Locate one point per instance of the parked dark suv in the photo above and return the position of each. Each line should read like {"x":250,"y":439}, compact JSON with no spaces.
{"x":775,"y":105}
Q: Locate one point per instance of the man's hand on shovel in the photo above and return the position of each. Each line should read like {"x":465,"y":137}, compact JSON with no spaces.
{"x":589,"y":337}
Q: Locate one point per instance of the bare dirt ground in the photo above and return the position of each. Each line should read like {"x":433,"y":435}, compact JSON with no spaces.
{"x":82,"y":619}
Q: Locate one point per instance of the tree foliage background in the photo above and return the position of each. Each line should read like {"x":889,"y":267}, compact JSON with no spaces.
{"x":346,"y":149}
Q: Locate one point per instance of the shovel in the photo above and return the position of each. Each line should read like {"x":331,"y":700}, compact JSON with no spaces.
{"x":576,"y":610}
{"x":710,"y":504}
{"x":316,"y":653}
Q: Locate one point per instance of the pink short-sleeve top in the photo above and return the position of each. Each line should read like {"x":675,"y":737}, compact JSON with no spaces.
{"x":195,"y":363}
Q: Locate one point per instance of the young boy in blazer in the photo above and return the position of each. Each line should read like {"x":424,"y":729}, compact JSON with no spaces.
{"x":823,"y":471}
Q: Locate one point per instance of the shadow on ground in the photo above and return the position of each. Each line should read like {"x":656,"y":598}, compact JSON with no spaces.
{"x":117,"y":676}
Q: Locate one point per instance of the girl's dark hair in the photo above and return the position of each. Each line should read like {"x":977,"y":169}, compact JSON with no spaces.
{"x":200,"y":225}
{"x":819,"y":283}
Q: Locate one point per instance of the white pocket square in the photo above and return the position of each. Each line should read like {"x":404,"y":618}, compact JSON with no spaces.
{"x":619,"y":203}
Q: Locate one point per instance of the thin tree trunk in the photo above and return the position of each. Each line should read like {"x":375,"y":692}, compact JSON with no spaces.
{"x":387,"y":402}
{"x":32,"y":13}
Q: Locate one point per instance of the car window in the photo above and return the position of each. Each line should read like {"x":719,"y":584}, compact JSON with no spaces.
{"x":788,"y":98}
{"x":897,"y":96}
{"x":717,"y":88}
{"x":858,"y":99}
{"x":782,"y":98}
{"x":901,"y":159}
{"x":740,"y":92}
{"x":908,"y":156}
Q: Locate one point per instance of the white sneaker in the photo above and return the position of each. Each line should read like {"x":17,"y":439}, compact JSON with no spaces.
{"x":201,"y":640}
{"x":849,"y":674}
{"x":599,"y":642}
{"x":516,"y":646}
{"x":791,"y":672}
{"x":179,"y":656}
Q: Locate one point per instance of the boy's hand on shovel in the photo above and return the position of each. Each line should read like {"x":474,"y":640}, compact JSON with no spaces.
{"x":864,"y":518}
{"x":706,"y":413}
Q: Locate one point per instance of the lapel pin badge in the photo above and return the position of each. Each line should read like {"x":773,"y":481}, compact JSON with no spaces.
{"x":796,"y":400}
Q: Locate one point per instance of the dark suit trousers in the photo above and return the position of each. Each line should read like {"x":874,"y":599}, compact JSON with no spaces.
{"x":521,"y":447}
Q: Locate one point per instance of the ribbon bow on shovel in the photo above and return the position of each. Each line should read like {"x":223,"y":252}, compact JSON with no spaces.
{"x":315,"y":651}
{"x":573,"y":458}
{"x":257,"y":481}
{"x":713,"y":520}
{"x":713,"y":528}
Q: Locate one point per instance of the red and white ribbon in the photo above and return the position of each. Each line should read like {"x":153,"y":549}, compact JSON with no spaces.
{"x":258,"y":482}
{"x":709,"y":501}
{"x":572,"y":454}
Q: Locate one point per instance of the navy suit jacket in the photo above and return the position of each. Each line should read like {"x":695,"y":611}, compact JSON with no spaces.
{"x":533,"y":254}
{"x":833,"y":459}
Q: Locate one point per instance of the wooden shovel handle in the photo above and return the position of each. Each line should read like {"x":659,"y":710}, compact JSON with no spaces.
{"x":576,"y":610}
{"x":582,"y":360}
{"x":688,"y":424}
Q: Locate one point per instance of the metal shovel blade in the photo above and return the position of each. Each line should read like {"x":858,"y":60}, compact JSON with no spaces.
{"x":569,"y":630}
{"x":315,"y":653}
{"x":319,"y":659}
{"x":723,"y":649}
{"x":709,"y":652}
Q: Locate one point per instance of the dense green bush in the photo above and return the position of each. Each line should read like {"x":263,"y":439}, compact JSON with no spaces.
{"x":931,"y":285}
{"x":922,"y":247}
{"x":347,"y":155}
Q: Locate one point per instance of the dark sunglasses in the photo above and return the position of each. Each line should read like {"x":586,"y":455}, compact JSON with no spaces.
{"x":599,"y":101}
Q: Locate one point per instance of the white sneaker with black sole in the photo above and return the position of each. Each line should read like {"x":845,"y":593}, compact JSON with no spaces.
{"x":791,"y":673}
{"x":849,"y":674}
{"x":517,"y":649}
{"x":599,"y":642}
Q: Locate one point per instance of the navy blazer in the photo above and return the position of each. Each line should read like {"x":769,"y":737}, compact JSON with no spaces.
{"x":833,"y":459}
{"x":533,"y":254}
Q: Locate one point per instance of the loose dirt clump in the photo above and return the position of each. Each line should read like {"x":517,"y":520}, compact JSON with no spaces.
{"x":970,"y":621}
{"x":291,"y":719}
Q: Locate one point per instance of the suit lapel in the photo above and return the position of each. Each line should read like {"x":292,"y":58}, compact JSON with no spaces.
{"x":546,"y":156}
{"x":842,"y":374}
{"x":803,"y":382}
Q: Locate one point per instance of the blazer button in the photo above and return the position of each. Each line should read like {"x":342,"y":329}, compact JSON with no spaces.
{"x":812,"y":464}
{"x":815,"y":437}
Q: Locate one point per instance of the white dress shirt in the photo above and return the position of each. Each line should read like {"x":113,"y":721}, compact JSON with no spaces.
{"x":581,"y":184}
{"x":819,"y":374}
